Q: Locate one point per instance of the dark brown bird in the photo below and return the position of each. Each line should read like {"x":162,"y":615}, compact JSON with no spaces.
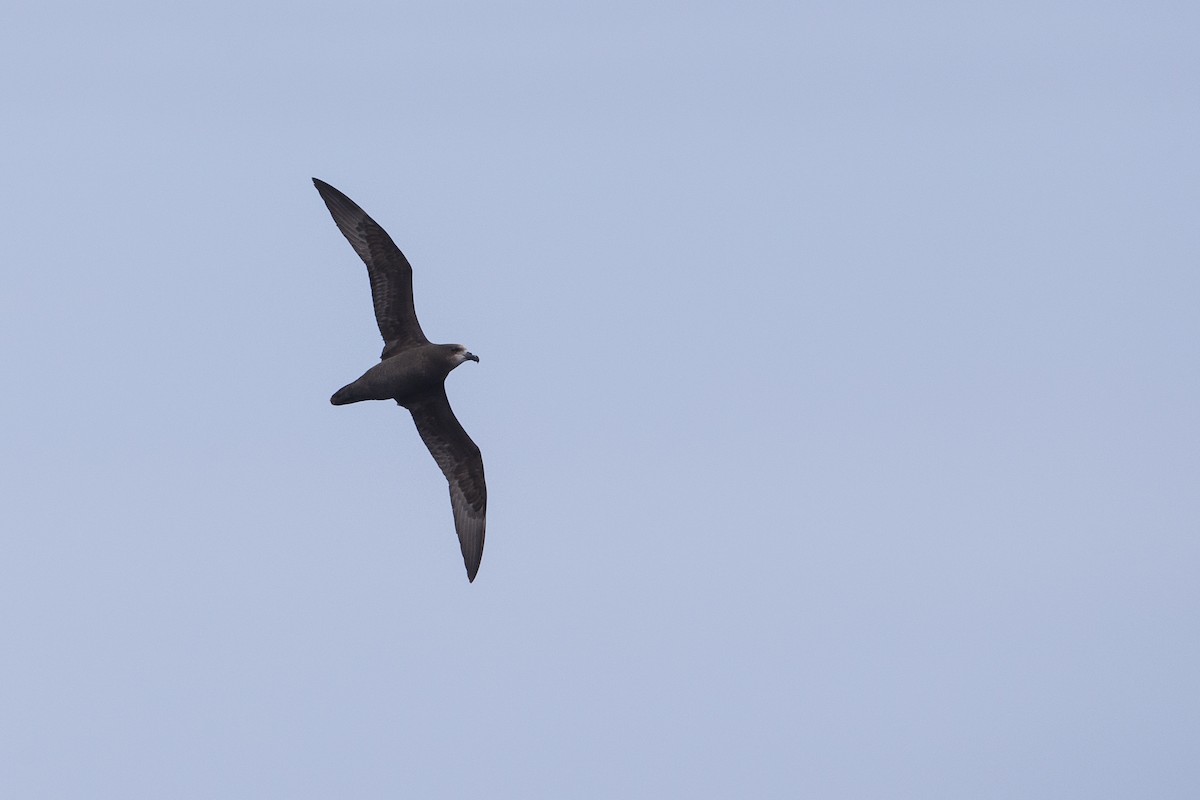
{"x":412,"y":371}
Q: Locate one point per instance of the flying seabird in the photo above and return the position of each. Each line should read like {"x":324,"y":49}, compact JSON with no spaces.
{"x":412,"y":371}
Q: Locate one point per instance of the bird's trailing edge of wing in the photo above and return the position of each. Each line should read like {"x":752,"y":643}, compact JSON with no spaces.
{"x":388,"y":269}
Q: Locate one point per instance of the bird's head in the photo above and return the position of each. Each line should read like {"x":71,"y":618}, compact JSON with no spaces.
{"x":462,"y":354}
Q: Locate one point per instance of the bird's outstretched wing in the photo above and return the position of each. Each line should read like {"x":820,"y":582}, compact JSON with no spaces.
{"x":390,"y":272}
{"x":462,"y":465}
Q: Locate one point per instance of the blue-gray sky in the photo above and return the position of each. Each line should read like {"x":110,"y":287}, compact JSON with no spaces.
{"x":838,"y":396}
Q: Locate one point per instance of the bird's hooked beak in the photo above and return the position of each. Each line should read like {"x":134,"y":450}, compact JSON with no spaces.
{"x":470,"y":357}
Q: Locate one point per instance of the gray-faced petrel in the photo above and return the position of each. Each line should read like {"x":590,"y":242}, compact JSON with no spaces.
{"x":412,"y":371}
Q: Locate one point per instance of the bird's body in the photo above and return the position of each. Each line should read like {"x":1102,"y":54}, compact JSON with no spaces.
{"x":412,"y":371}
{"x":404,"y":377}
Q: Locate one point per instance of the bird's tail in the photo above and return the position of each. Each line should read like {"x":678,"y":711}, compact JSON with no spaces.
{"x":346,"y":394}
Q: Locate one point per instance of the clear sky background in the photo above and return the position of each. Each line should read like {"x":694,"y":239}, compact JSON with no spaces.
{"x":839,"y":397}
